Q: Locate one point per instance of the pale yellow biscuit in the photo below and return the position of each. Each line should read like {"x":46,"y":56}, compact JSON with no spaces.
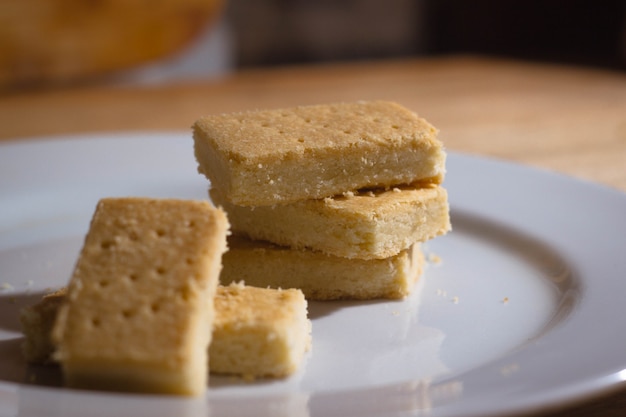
{"x":320,"y":276}
{"x":281,"y":156}
{"x":373,"y":224}
{"x":140,"y":301}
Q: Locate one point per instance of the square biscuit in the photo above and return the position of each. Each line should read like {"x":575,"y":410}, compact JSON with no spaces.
{"x":319,"y":276}
{"x":280,"y":156}
{"x":367,"y":224}
{"x":140,"y":301}
{"x":259,"y":332}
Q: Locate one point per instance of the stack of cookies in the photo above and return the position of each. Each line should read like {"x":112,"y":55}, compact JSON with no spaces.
{"x":331,"y":199}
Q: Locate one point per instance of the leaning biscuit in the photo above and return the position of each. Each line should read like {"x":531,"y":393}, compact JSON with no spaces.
{"x":140,"y":301}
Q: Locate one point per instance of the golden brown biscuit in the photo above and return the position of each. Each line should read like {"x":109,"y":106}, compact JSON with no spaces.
{"x":320,"y":276}
{"x":372,"y":224}
{"x":259,"y":332}
{"x":140,"y":301}
{"x":37,"y":322}
{"x":281,"y":156}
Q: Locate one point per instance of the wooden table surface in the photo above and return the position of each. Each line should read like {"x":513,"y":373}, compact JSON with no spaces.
{"x":571,"y":120}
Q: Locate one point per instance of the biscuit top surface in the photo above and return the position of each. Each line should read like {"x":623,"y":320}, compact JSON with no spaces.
{"x":136,"y":286}
{"x":245,"y":136}
{"x":238,"y":303}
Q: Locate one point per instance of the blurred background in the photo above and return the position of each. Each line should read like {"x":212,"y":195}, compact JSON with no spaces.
{"x":51,"y":43}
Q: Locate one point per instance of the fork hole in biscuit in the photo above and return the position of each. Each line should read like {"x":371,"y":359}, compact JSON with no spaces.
{"x":160,"y":232}
{"x":189,"y":261}
{"x":160,"y":270}
{"x":95,"y":322}
{"x":126,"y":313}
{"x":106,"y":244}
{"x":347,"y":132}
{"x":132,"y":277}
{"x":155,"y":307}
{"x":184,"y":294}
{"x":301,"y":140}
{"x":103,"y":283}
{"x":190,"y":223}
{"x":395,"y":127}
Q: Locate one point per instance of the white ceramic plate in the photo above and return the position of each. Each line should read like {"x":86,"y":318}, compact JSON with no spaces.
{"x":524,"y":309}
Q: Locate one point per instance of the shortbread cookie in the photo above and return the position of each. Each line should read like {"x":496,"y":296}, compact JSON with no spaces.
{"x":37,"y":322}
{"x":281,"y":156}
{"x":140,"y":301}
{"x":372,"y":224}
{"x":320,"y":276}
{"x":259,"y":332}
